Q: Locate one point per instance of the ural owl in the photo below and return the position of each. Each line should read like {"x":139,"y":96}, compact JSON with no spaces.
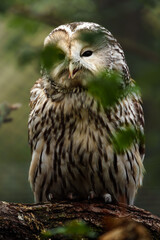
{"x":70,"y":132}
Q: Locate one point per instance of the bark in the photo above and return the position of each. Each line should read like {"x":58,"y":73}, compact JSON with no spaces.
{"x":27,"y":221}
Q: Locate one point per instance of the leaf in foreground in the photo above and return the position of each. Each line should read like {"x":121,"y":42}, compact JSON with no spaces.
{"x":108,"y":87}
{"x":124,"y":138}
{"x":75,"y":229}
{"x":51,"y":54}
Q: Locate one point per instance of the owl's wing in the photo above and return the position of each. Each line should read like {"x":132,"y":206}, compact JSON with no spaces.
{"x":129,"y":112}
{"x":36,"y":93}
{"x":139,"y":119}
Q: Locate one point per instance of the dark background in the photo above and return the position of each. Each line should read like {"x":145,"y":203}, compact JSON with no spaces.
{"x":23,"y":27}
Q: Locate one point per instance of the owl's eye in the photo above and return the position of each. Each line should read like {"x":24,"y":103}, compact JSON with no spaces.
{"x":87,"y":53}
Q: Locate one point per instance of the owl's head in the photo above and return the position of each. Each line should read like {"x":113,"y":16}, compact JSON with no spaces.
{"x":85,"y":50}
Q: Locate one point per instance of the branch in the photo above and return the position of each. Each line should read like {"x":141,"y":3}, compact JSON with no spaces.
{"x":5,"y":110}
{"x":27,"y":221}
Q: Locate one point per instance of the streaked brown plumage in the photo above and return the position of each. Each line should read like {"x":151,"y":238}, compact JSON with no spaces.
{"x":69,"y":132}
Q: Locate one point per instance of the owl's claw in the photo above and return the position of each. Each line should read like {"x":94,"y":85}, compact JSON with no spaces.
{"x":50,"y":197}
{"x":71,"y":196}
{"x":107,"y":198}
{"x":91,"y":195}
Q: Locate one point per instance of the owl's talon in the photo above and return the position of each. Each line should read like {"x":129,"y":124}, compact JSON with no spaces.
{"x":91,"y":195}
{"x":107,"y":198}
{"x":71,"y":196}
{"x":50,"y":197}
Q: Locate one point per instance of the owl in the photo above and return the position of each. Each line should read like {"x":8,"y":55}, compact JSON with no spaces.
{"x":70,"y":131}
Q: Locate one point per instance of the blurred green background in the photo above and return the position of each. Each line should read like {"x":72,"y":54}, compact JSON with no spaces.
{"x":23,"y":27}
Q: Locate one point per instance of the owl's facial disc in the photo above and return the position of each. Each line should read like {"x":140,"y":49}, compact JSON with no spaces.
{"x":87,"y":52}
{"x":81,"y":58}
{"x":72,"y":70}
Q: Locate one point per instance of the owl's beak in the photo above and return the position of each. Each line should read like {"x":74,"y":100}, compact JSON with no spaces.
{"x":72,"y":70}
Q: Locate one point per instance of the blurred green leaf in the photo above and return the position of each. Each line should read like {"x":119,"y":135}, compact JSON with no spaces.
{"x":75,"y":229}
{"x":125,"y":137}
{"x":109,"y":87}
{"x":51,"y":55}
{"x":28,"y":53}
{"x":15,"y":42}
{"x":92,"y":37}
{"x":106,"y":87}
{"x":29,"y":26}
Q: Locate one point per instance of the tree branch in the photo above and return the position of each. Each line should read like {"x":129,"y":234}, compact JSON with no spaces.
{"x":27,"y":221}
{"x":5,"y":110}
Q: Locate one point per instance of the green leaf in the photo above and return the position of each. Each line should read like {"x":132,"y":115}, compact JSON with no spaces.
{"x":124,"y":138}
{"x":108,"y":88}
{"x":92,"y":37}
{"x":51,"y":54}
{"x":75,"y":229}
{"x":27,"y":25}
{"x":27,"y":54}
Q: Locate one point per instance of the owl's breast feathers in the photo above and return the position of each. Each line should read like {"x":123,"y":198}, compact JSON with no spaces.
{"x":70,"y":136}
